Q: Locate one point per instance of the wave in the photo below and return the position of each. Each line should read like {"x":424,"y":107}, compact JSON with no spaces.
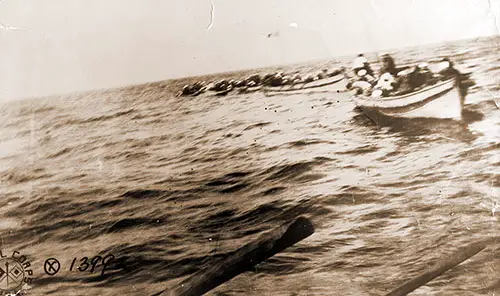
{"x":101,"y":118}
{"x":291,"y":171}
{"x":307,"y":142}
{"x":257,"y":125}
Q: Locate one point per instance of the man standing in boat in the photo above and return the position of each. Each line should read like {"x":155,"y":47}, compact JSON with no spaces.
{"x":387,"y":82}
{"x":388,"y":65}
{"x":449,"y":70}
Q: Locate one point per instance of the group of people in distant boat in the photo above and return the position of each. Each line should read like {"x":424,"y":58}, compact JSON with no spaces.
{"x":193,"y":89}
{"x":280,"y":79}
{"x":271,"y":79}
{"x":390,"y":81}
{"x":394,"y":81}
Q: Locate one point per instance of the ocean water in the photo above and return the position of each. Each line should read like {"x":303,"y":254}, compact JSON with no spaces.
{"x":167,"y":185}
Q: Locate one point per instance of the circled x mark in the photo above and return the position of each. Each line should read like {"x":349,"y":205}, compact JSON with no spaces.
{"x":51,"y":266}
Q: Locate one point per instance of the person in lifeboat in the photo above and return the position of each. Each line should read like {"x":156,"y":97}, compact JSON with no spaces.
{"x":361,"y":63}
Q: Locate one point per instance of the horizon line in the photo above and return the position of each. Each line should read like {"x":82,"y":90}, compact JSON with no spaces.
{"x":177,"y":78}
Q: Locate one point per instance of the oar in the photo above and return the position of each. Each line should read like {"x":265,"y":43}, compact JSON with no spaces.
{"x":441,"y":267}
{"x":243,"y":259}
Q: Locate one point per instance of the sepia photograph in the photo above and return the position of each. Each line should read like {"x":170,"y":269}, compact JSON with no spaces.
{"x":265,"y":147}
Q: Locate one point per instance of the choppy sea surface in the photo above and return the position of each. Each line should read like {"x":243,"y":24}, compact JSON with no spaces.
{"x":168,"y":185}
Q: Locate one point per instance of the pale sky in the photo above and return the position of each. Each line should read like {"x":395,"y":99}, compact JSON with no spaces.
{"x":72,"y":45}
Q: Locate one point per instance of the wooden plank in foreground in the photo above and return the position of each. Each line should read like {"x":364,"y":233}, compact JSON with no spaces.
{"x":243,"y":259}
{"x":441,"y":267}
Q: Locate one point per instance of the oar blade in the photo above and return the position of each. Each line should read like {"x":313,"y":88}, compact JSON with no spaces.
{"x":438,"y":269}
{"x":244,"y":259}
